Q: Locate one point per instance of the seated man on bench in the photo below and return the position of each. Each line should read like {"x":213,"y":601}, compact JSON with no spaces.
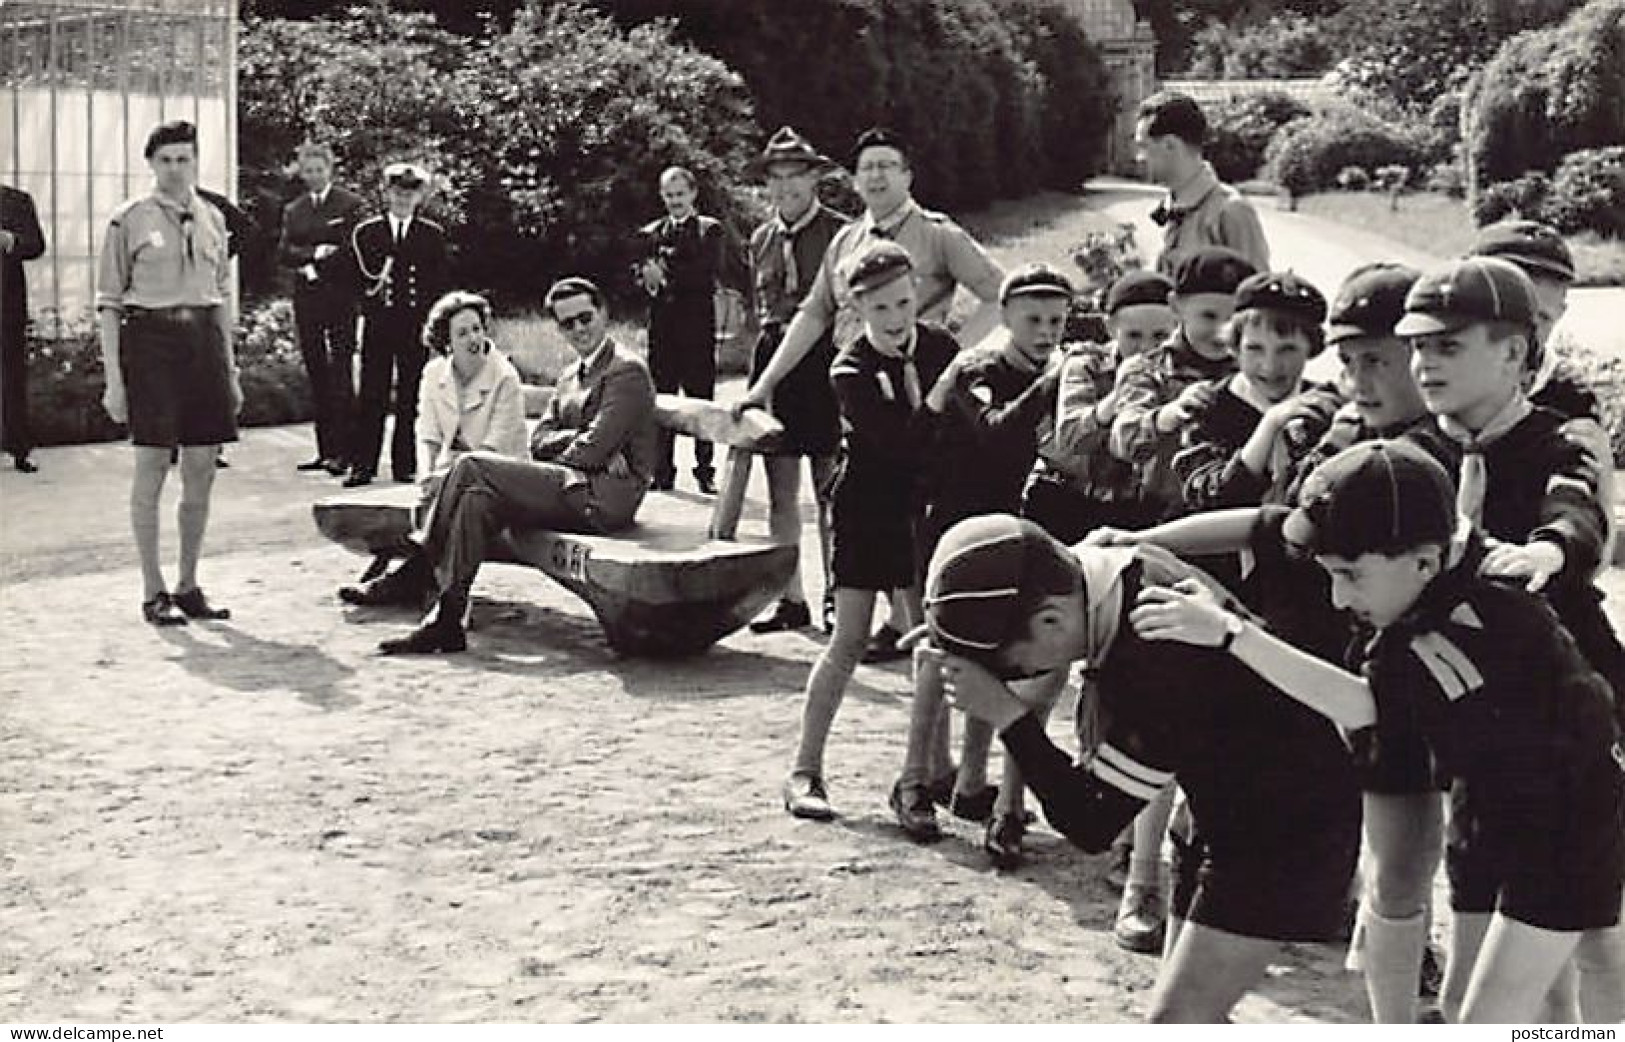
{"x":592,"y":452}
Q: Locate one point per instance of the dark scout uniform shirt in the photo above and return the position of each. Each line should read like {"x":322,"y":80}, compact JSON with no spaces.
{"x":1250,"y":759}
{"x":988,"y":432}
{"x":784,"y":261}
{"x":888,"y":439}
{"x":1209,"y":466}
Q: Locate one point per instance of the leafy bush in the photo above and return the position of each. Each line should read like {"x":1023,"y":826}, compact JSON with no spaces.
{"x":1520,"y":197}
{"x":1448,"y":179}
{"x":1605,"y":375}
{"x":1588,"y":193}
{"x":1308,"y":155}
{"x":1240,"y":129}
{"x":1353,"y":179}
{"x":66,"y":379}
{"x":1283,"y":47}
{"x":1546,"y":94}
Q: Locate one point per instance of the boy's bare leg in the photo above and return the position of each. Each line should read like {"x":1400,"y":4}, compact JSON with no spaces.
{"x":1600,"y":958}
{"x":1206,"y":973}
{"x":1515,"y":966}
{"x":1467,"y":931}
{"x":826,"y":684}
{"x":146,"y":488}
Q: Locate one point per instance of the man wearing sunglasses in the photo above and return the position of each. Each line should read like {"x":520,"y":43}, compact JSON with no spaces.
{"x":592,"y":460}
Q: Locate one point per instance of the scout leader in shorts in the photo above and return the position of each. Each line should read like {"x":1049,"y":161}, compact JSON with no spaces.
{"x":1515,"y":717}
{"x":1271,"y":788}
{"x":784,"y":253}
{"x":163,"y":305}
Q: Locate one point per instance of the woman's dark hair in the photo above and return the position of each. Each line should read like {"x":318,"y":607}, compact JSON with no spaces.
{"x":437,"y":327}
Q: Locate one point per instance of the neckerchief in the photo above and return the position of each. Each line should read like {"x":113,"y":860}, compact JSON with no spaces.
{"x":1103,"y":569}
{"x":787,"y":237}
{"x":1474,"y":477}
{"x":911,"y":372}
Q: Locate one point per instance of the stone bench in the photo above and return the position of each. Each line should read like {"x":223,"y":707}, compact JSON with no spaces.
{"x":673,"y":584}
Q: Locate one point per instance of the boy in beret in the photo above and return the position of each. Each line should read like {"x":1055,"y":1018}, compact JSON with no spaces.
{"x":1004,"y":600}
{"x":1511,"y":711}
{"x":1239,"y":448}
{"x":1078,"y":483}
{"x":1158,"y":394}
{"x":881,"y":380}
{"x":989,"y":406}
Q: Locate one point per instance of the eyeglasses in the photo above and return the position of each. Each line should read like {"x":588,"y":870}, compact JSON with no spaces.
{"x":580,"y":320}
{"x":880,"y":166}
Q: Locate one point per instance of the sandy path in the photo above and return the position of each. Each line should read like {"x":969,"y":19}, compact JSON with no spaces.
{"x":260,"y":820}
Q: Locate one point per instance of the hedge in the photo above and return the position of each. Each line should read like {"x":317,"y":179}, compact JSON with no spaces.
{"x":1240,"y":129}
{"x":1308,"y":155}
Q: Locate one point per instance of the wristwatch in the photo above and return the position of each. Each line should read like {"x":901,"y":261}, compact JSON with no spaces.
{"x":1233,"y":625}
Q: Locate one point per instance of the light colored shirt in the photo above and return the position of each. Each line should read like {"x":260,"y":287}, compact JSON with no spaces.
{"x":1207,"y":212}
{"x":486,"y":414}
{"x":944,"y":254}
{"x":161,"y":254}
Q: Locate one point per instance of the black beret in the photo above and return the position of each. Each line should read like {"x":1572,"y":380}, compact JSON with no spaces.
{"x":175,"y":132}
{"x":878,"y":137}
{"x":1210,"y":269}
{"x":1138,"y":287}
{"x":1281,"y":291}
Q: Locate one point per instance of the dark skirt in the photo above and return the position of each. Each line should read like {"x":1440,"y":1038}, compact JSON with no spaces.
{"x":175,"y":379}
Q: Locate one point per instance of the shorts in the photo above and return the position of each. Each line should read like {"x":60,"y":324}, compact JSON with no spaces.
{"x":1394,"y":761}
{"x":1569,"y":876}
{"x":175,"y":379}
{"x":1280,"y":876}
{"x":804,"y":402}
{"x":876,"y":528}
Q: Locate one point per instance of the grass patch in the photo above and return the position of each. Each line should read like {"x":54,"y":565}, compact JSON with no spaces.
{"x":539,"y":351}
{"x":1441,"y":225}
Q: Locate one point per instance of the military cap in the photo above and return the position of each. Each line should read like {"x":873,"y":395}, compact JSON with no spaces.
{"x":1210,"y":269}
{"x":1281,"y":291}
{"x":1370,"y":302}
{"x":879,"y":264}
{"x":1138,"y":287}
{"x":405,"y":175}
{"x":175,"y":132}
{"x":1465,"y":291}
{"x":1378,"y":497}
{"x":1036,"y":279}
{"x":1532,"y":246}
{"x":787,"y":146}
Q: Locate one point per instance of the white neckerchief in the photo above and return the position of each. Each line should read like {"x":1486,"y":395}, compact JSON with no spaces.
{"x":787,"y":236}
{"x":1474,"y":476}
{"x":1103,"y":568}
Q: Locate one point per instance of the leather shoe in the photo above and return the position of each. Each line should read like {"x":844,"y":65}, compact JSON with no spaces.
{"x":706,"y":484}
{"x":337,"y":468}
{"x":883,"y":646}
{"x":431,"y":638}
{"x":312,"y":464}
{"x":25,"y":465}
{"x":787,"y":615}
{"x":405,"y":587}
{"x":194,"y":605}
{"x":161,"y":611}
{"x":806,"y":797}
{"x":975,"y":807}
{"x":357,"y":479}
{"x":915,"y":812}
{"x":1002,"y":840}
{"x":1140,"y":920}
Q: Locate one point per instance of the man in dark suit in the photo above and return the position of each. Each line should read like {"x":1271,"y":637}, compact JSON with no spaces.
{"x":20,"y":240}
{"x":684,"y":259}
{"x":591,"y":459}
{"x":315,"y":229}
{"x":404,"y":268}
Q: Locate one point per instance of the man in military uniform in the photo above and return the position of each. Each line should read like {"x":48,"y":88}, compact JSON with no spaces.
{"x":20,"y":240}
{"x":945,"y":258}
{"x":785,"y":251}
{"x":316,"y":228}
{"x":403,"y":267}
{"x":1199,"y":210}
{"x":163,"y":305}
{"x":684,"y":257}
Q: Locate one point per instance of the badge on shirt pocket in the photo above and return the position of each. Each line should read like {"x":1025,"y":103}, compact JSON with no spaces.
{"x":885,"y":387}
{"x":155,"y":239}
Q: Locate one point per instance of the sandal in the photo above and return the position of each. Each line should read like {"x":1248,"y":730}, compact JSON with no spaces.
{"x":161,"y":611}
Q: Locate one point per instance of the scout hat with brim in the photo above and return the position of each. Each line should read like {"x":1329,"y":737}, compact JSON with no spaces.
{"x":787,"y":146}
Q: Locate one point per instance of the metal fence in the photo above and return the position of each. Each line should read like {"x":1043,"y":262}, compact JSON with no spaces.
{"x":81,"y":84}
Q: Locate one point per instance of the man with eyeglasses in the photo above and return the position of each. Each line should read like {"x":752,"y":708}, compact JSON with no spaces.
{"x":945,"y":257}
{"x":592,"y":459}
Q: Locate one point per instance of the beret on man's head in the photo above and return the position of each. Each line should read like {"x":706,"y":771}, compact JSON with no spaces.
{"x":878,"y":137}
{"x":1138,"y":287}
{"x":1210,"y":269}
{"x":1282,"y":291}
{"x":1036,"y":279}
{"x":879,"y":264}
{"x":175,"y":132}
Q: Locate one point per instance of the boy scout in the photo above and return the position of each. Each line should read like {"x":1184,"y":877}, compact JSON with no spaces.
{"x":163,"y":306}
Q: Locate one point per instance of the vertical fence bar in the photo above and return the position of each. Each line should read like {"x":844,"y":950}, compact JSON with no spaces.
{"x":55,"y":178}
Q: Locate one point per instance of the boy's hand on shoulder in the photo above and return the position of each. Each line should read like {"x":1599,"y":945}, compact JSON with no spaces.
{"x":1186,"y":612}
{"x":1106,"y":535}
{"x":1535,"y":563}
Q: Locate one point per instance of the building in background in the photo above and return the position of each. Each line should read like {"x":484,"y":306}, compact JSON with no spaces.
{"x":1128,"y":48}
{"x":81,"y":84}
